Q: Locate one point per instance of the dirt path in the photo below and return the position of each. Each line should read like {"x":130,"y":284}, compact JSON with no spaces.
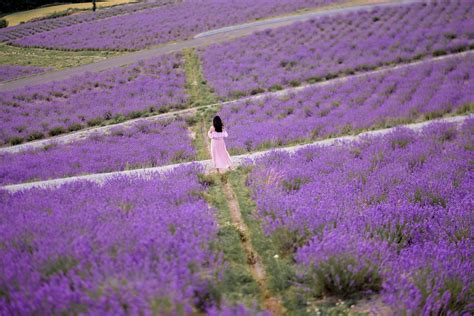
{"x":203,"y":39}
{"x":270,"y":303}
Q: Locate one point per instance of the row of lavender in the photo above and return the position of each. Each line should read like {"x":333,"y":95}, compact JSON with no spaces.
{"x":162,"y":25}
{"x":144,"y":144}
{"x":331,"y":46}
{"x":157,"y":84}
{"x":130,"y":247}
{"x":391,"y":215}
{"x":49,"y":109}
{"x":9,"y":72}
{"x":424,"y":91}
{"x":27,"y":29}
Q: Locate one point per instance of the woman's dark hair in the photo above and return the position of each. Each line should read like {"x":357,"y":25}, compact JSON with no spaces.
{"x":217,"y":122}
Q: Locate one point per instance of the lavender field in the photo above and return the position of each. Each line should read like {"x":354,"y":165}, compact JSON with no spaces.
{"x":427,"y":90}
{"x":145,"y":144}
{"x":150,"y":86}
{"x":161,"y":25}
{"x":9,"y":72}
{"x":390,"y":215}
{"x":108,"y":250}
{"x":35,"y":27}
{"x":111,"y":205}
{"x":331,"y":46}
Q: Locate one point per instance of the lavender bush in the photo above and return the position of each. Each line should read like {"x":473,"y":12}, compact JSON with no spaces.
{"x":145,"y":144}
{"x":9,"y":72}
{"x":390,"y":214}
{"x":149,"y":86}
{"x":34,"y":27}
{"x":327,"y":47}
{"x":132,"y":246}
{"x":164,"y":24}
{"x":427,"y":90}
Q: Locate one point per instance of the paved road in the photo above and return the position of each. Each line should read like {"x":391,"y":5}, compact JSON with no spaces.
{"x":100,"y":178}
{"x":203,"y":39}
{"x":85,"y":133}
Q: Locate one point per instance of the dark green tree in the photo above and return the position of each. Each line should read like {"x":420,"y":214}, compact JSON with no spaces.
{"x":7,"y":6}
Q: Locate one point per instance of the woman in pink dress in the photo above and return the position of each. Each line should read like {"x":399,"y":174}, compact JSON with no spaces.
{"x":220,"y":156}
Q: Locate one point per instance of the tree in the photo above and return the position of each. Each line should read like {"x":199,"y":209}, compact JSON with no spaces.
{"x":3,"y":23}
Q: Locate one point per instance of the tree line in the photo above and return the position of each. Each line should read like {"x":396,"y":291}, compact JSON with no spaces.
{"x":8,"y":6}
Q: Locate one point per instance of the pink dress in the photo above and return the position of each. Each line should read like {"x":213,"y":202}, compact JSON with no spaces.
{"x":220,"y":156}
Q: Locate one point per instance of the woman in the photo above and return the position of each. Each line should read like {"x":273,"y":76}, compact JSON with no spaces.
{"x":220,"y":156}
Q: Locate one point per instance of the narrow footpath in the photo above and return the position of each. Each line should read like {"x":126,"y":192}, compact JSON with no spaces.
{"x":254,"y":261}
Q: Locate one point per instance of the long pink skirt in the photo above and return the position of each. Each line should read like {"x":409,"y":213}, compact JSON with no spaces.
{"x":220,"y":156}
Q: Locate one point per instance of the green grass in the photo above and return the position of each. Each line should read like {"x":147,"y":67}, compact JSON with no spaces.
{"x":200,"y":124}
{"x":200,"y":93}
{"x":282,"y":272}
{"x":55,"y":10}
{"x":23,"y":56}
{"x":237,"y":284}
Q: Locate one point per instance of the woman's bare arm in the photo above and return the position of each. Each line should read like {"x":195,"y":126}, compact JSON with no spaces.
{"x":209,"y":133}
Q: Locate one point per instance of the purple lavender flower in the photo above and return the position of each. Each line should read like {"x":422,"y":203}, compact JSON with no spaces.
{"x":399,"y":96}
{"x":132,"y":246}
{"x":153,"y":85}
{"x":323,"y":48}
{"x":144,"y":144}
{"x":34,"y":27}
{"x":390,"y":214}
{"x":156,"y":25}
{"x":9,"y":72}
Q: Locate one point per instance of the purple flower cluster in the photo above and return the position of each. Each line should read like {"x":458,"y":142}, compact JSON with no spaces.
{"x":429,"y":89}
{"x":9,"y":72}
{"x":395,"y":211}
{"x":145,"y":144}
{"x":133,"y":246}
{"x":153,"y":85}
{"x":330,"y":46}
{"x":162,"y":25}
{"x":34,"y":27}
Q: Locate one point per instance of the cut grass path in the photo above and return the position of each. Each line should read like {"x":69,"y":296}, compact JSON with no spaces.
{"x":254,"y":261}
{"x":201,"y":94}
{"x":217,"y":36}
{"x":270,"y":302}
{"x":196,"y":86}
{"x":237,"y":160}
{"x":237,"y":285}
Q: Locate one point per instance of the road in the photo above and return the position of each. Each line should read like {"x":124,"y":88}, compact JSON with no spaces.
{"x":200,"y":40}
